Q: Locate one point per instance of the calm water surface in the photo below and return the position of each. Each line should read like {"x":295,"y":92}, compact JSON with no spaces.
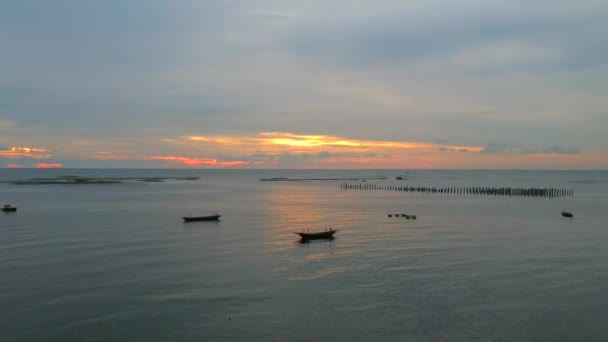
{"x":115,"y":262}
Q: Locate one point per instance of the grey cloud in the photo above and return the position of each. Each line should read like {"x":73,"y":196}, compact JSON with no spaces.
{"x":23,"y":161}
{"x":252,"y":158}
{"x":496,"y":149}
{"x":295,"y":160}
{"x":409,"y":34}
{"x":460,"y":150}
{"x":557,"y":149}
{"x":270,"y":15}
{"x":327,"y":154}
{"x":554,"y":149}
{"x":288,"y":160}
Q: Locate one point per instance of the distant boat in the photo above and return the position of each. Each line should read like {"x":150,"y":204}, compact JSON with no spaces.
{"x":403,"y":215}
{"x":7,"y":208}
{"x":567,"y":214}
{"x":328,"y":234}
{"x":214,"y":217}
{"x":274,"y":179}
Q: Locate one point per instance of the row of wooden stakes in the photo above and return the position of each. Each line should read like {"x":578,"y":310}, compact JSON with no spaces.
{"x":491,"y":191}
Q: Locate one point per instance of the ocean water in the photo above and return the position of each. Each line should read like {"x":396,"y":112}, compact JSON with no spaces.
{"x":116,"y":262}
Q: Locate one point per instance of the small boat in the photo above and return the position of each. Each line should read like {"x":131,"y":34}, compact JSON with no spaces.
{"x":214,"y":217}
{"x":567,"y":214}
{"x":328,"y":234}
{"x":7,"y":208}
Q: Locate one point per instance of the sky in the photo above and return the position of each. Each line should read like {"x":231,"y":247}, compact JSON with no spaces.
{"x":352,"y":84}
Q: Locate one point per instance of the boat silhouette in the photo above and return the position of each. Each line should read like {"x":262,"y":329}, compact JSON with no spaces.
{"x":214,"y":217}
{"x":7,"y":208}
{"x":328,"y":234}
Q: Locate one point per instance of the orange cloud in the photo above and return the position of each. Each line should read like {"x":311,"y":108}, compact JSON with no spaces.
{"x":199,"y":162}
{"x":285,"y":149}
{"x":48,"y":165}
{"x":217,"y":139}
{"x":28,"y":149}
{"x":290,"y":139}
{"x":25,"y":152}
{"x":291,"y":150}
{"x":14,"y":166}
{"x":285,"y":142}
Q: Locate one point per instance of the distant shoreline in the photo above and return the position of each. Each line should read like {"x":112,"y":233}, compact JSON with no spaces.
{"x":76,"y":180}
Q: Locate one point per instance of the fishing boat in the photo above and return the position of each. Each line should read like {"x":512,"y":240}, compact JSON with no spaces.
{"x":328,"y":234}
{"x":567,"y":214}
{"x":214,"y":217}
{"x":7,"y":208}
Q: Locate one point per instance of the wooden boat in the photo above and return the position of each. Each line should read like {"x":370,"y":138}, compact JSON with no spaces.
{"x":567,"y":214}
{"x":328,"y":234}
{"x":214,"y":217}
{"x":7,"y":208}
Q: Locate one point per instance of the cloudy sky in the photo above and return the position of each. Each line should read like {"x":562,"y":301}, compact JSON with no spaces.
{"x":304,"y":84}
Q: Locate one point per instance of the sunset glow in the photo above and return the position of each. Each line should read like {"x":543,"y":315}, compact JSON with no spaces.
{"x":193,"y":162}
{"x":25,"y":152}
{"x":270,"y":149}
{"x":48,"y":165}
{"x":310,"y":151}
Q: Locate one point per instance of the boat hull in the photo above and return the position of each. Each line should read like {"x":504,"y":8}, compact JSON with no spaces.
{"x":9,"y":209}
{"x":567,"y":214}
{"x":201,"y":218}
{"x":317,"y":236}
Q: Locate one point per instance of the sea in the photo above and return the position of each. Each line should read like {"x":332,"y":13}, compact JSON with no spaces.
{"x":115,"y":262}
